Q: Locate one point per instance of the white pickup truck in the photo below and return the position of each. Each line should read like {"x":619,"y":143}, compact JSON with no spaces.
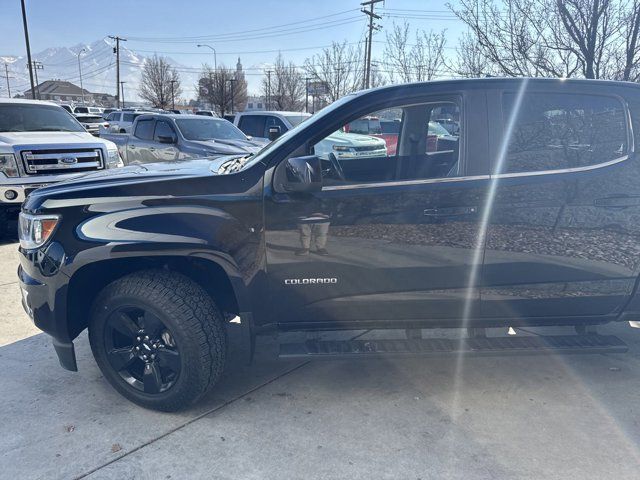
{"x":40,"y":143}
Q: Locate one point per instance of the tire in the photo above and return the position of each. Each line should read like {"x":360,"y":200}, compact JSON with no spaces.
{"x":194,"y":329}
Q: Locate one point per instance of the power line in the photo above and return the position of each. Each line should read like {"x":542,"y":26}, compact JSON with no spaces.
{"x":180,"y":39}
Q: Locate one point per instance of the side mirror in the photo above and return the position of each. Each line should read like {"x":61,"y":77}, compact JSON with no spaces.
{"x":301,"y":174}
{"x":274,"y":132}
{"x":166,"y":139}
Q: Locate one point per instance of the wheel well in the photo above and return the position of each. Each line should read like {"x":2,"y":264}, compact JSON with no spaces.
{"x":86,"y":283}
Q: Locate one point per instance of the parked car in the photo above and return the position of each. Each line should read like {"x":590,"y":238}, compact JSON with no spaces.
{"x":206,"y":113}
{"x":230,"y":117}
{"x":107,"y":111}
{"x":258,"y":124}
{"x":438,"y":138}
{"x":68,"y":108}
{"x":40,"y":143}
{"x":120,"y":122}
{"x":87,"y":110}
{"x":168,"y":137}
{"x":92,"y":123}
{"x":532,"y":221}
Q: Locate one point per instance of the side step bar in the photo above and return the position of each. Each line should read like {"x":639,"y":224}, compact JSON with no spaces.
{"x":525,"y":345}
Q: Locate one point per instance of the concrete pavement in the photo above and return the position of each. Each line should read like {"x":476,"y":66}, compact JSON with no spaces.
{"x":574,"y":417}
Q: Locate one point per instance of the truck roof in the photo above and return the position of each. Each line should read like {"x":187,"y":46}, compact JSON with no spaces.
{"x":272,"y":112}
{"x":24,"y":101}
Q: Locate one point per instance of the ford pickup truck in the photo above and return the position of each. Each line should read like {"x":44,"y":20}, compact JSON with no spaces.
{"x":529,"y":219}
{"x":170,"y":137}
{"x":40,"y":143}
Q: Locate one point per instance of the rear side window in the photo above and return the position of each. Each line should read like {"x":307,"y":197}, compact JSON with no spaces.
{"x":560,"y":131}
{"x":127,"y":117}
{"x":252,"y":125}
{"x":273,"y":122}
{"x":144,"y":129}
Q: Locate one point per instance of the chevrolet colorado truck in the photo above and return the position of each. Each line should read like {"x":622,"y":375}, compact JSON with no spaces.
{"x":169,"y":137}
{"x":40,"y":143}
{"x":529,"y":219}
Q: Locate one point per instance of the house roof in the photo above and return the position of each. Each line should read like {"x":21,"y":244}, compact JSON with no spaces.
{"x":59,"y":87}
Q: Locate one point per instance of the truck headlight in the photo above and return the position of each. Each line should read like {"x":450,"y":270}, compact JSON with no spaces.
{"x":113,"y":159}
{"x":341,"y":148}
{"x":35,"y":230}
{"x":8,"y":165}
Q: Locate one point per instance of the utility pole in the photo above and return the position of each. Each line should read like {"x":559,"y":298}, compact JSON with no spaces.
{"x":268,"y":89}
{"x":36,"y":65}
{"x":122,"y":89}
{"x":210,"y":92}
{"x":306,"y":94}
{"x":232,"y":81}
{"x":116,"y":50}
{"x":6,"y":74}
{"x":26,"y":40}
{"x":173,"y":99}
{"x":80,"y":70}
{"x":372,"y":27}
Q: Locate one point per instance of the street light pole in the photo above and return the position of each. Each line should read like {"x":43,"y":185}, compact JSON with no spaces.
{"x":215,"y":60}
{"x":80,"y":70}
{"x":26,"y":40}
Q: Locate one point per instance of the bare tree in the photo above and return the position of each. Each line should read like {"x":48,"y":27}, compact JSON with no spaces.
{"x":560,"y":38}
{"x":339,"y":67}
{"x":286,"y":89}
{"x":222,"y":89}
{"x":158,"y":77}
{"x":470,"y":60}
{"x":420,"y":61}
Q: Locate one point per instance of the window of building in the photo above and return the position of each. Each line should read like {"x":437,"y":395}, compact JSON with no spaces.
{"x":560,"y":131}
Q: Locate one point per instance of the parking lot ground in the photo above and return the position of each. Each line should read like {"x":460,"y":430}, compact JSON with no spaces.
{"x":571,"y":417}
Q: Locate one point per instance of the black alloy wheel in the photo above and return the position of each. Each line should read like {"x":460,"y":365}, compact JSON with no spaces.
{"x":142,"y":350}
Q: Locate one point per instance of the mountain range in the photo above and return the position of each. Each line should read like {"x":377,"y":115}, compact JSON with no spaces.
{"x":98,"y":69}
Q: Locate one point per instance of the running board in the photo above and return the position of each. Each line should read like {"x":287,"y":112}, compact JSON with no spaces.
{"x":524,"y":345}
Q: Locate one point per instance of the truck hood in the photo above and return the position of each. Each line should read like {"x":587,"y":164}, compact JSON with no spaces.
{"x":229,"y":147}
{"x":48,"y":138}
{"x":353,"y":139}
{"x":136,"y":174}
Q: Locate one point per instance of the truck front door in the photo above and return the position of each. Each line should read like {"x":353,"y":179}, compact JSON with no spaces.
{"x":397,"y":241}
{"x":140,"y":144}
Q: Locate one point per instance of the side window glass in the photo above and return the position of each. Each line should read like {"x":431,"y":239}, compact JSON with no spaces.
{"x":144,"y":129}
{"x":398,"y":143}
{"x":127,"y":117}
{"x":273,"y":122}
{"x":163,"y":129}
{"x":252,"y":125}
{"x":559,"y":131}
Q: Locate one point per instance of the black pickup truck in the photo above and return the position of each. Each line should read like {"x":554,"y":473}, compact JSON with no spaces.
{"x":530,"y":216}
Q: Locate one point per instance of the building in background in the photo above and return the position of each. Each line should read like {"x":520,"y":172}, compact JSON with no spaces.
{"x":61,"y":91}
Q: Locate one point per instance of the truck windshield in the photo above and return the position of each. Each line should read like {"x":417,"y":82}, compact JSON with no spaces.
{"x":36,"y":118}
{"x":296,"y":120}
{"x":209,"y":129}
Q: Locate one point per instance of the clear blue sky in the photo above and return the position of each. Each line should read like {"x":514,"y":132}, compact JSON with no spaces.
{"x":68,"y":22}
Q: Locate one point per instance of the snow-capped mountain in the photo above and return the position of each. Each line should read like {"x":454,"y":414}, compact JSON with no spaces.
{"x":98,"y":68}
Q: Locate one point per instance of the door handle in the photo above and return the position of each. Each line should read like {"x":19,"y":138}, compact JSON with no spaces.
{"x":618,"y":201}
{"x":449,"y":211}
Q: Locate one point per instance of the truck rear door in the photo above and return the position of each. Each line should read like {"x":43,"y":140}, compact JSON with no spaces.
{"x":562,"y":234}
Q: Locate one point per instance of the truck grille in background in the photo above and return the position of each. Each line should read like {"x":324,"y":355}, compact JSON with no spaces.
{"x":48,"y":162}
{"x":368,"y":148}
